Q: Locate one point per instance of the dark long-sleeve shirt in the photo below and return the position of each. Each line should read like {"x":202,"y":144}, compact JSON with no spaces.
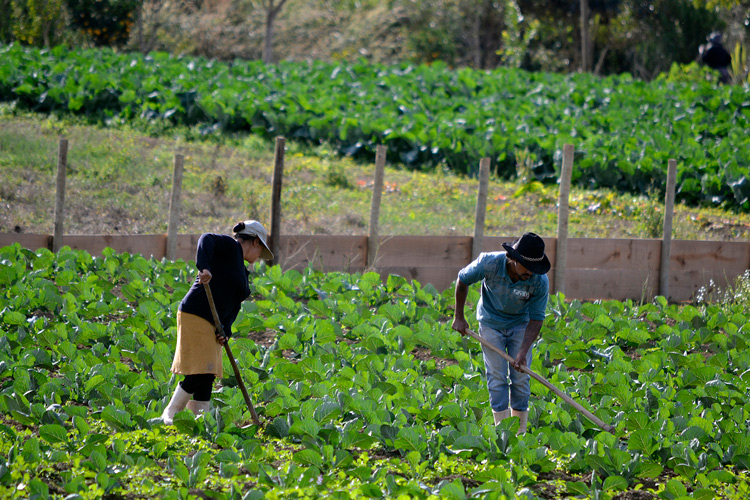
{"x":222,"y":256}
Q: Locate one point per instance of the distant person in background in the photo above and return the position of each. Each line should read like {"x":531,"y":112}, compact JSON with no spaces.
{"x":715,"y":56}
{"x":220,"y":260}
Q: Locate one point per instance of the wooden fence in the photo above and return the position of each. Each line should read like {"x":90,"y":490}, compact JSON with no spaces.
{"x":617,"y":269}
{"x":582,"y":268}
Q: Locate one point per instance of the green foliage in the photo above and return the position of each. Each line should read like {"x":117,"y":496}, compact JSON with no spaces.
{"x":740,"y":65}
{"x":427,"y":116}
{"x":37,"y":22}
{"x":336,"y":177}
{"x":105,"y":22}
{"x":392,"y":403}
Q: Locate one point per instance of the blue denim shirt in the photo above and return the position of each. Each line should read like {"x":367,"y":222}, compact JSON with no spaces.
{"x":504,"y":304}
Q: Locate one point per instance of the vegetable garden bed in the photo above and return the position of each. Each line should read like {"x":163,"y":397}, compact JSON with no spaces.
{"x":352,"y":404}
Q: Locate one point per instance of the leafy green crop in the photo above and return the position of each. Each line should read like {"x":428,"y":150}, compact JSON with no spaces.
{"x":363,"y":390}
{"x":624,"y":130}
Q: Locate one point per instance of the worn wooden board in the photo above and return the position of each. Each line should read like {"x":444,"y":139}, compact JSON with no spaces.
{"x":428,"y":259}
{"x":30,"y":241}
{"x":695,"y":264}
{"x":187,"y":244}
{"x":617,"y":269}
{"x":614,"y":284}
{"x":147,"y":245}
{"x":423,"y":251}
{"x":596,"y":269}
{"x":323,"y":252}
{"x":593,"y":253}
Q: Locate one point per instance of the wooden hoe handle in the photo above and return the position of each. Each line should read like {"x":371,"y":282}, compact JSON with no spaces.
{"x":546,"y":383}
{"x":236,"y":369}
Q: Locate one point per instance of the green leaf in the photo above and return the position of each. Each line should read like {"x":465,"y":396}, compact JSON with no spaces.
{"x":98,"y":460}
{"x":14,"y":318}
{"x":327,"y":412}
{"x":604,"y":321}
{"x":468,"y":442}
{"x":648,"y":469}
{"x":227,"y":456}
{"x":641,"y":440}
{"x":576,"y":488}
{"x":305,"y":427}
{"x":93,"y":382}
{"x":371,"y":490}
{"x":117,"y":419}
{"x":278,"y":428}
{"x":308,"y":457}
{"x":409,"y":439}
{"x":289,"y":341}
{"x":453,"y":491}
{"x":617,"y":483}
{"x":53,"y":433}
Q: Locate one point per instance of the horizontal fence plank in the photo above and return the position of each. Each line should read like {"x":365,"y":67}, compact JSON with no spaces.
{"x":148,"y":245}
{"x":423,"y":251}
{"x":323,"y":252}
{"x":611,"y":284}
{"x":187,"y":244}
{"x":30,"y":241}
{"x":617,"y":269}
{"x":427,"y":259}
{"x":593,"y":253}
{"x":695,"y":264}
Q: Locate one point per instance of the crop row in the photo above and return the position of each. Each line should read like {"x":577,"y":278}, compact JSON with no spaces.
{"x":362,"y":388}
{"x":624,"y":130}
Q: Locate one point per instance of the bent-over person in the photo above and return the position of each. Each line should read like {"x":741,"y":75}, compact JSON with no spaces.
{"x":220,"y":260}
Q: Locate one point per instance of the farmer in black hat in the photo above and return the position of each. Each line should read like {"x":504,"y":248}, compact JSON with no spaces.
{"x":510,"y":312}
{"x":220,"y":260}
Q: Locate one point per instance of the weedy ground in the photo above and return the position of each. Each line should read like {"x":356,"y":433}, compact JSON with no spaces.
{"x":119,"y":182}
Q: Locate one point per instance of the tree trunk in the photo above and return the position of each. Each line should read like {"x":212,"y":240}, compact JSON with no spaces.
{"x":272,"y":11}
{"x":476,"y":40}
{"x":586,"y":48}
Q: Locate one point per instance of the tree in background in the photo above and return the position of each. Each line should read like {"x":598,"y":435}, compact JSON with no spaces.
{"x":456,"y":31}
{"x":273,"y":7}
{"x":35,"y":22}
{"x":6,"y":21}
{"x":105,"y":22}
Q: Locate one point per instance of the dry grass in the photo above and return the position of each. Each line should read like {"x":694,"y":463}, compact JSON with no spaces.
{"x":119,"y":182}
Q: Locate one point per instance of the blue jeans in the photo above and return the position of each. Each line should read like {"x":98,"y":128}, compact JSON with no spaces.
{"x":519,"y":388}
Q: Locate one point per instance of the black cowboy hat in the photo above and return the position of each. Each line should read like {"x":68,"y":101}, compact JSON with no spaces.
{"x":528,"y":250}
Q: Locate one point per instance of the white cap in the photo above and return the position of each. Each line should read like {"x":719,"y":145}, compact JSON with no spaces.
{"x":255,"y":228}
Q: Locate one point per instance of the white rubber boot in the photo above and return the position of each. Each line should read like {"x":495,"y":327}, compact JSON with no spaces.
{"x":500,"y":415}
{"x":523,"y":416}
{"x":178,"y":402}
{"x":198,"y":407}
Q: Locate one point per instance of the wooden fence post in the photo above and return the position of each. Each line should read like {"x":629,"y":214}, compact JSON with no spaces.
{"x":278,"y":174}
{"x":174,"y":206}
{"x":666,"y":245}
{"x":481,"y":208}
{"x":62,"y":166}
{"x":561,"y":251}
{"x":373,"y":234}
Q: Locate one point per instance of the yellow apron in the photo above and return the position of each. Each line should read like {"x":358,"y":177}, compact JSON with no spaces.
{"x":197,"y":351}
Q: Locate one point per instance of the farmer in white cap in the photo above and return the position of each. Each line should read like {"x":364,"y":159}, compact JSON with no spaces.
{"x":510,"y":312}
{"x":220,"y":260}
